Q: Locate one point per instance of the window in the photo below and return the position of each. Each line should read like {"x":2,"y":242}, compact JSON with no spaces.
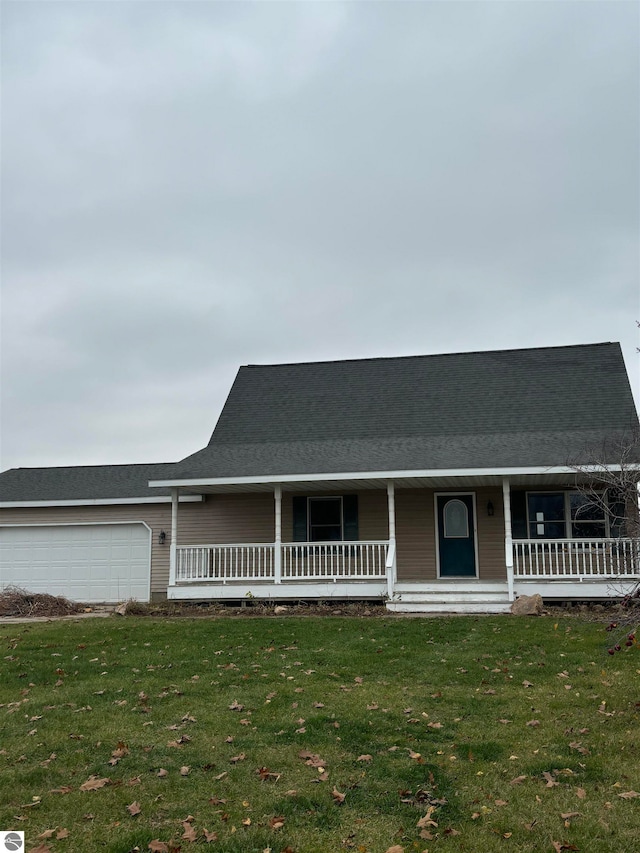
{"x":325,"y":518}
{"x":565,"y":515}
{"x":455,"y":518}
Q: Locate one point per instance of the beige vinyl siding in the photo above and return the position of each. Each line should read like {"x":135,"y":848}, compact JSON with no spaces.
{"x":416,"y":534}
{"x":224,"y":519}
{"x":373,"y":515}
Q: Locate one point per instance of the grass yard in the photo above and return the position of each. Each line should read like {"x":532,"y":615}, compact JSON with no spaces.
{"x":314,"y":735}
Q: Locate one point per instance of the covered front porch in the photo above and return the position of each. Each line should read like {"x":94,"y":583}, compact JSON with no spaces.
{"x":402,"y":556}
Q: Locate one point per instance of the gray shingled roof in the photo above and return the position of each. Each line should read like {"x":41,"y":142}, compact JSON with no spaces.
{"x":500,"y":409}
{"x":86,"y":482}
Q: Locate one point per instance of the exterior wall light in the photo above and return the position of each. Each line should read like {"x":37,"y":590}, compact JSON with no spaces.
{"x":490,"y":509}
{"x":162,"y":537}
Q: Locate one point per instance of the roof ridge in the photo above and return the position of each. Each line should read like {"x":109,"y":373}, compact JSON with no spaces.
{"x":434,"y":355}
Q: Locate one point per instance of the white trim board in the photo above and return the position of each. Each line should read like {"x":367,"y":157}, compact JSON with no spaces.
{"x":377,"y":475}
{"x":99,"y":502}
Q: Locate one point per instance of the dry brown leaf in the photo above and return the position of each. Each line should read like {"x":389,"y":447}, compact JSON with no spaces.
{"x":134,"y":809}
{"x":518,"y":780}
{"x":551,"y":782}
{"x":64,"y":790}
{"x":366,"y":757}
{"x":533,"y":723}
{"x":527,"y":684}
{"x":47,"y":834}
{"x":276,"y":822}
{"x":236,"y":758}
{"x":427,"y":820}
{"x":501,"y":803}
{"x":157,"y":846}
{"x":93,"y":783}
{"x":337,"y":796}
{"x":162,"y":773}
{"x":581,"y":793}
{"x":395,"y":849}
{"x":185,"y":770}
{"x":434,"y":725}
{"x":629,"y":795}
{"x":41,"y":848}
{"x":189,"y":833}
{"x":209,"y":836}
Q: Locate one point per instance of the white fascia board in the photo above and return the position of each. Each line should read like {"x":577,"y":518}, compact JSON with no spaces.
{"x":378,"y":475}
{"x":98,"y":502}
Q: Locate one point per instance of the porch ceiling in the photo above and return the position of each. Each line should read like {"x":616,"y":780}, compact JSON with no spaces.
{"x":555,"y":479}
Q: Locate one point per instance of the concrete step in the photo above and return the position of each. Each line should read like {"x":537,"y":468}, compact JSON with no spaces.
{"x":451,"y":605}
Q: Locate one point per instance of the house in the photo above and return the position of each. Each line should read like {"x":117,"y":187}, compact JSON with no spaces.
{"x":439,"y":482}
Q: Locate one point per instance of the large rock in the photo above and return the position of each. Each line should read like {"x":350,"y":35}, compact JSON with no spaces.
{"x":527,"y":605}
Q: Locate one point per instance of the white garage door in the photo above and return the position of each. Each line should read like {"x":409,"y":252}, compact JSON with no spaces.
{"x":84,"y":562}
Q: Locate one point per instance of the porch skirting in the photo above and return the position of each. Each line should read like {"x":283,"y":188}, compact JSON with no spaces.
{"x":269,"y":591}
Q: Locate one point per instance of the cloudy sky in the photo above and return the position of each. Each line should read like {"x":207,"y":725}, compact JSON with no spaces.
{"x":192,"y":186}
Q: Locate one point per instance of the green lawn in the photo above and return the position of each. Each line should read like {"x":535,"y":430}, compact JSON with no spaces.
{"x":319,"y":734}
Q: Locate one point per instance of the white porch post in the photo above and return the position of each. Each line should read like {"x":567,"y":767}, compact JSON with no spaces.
{"x":508,"y":535}
{"x":277,"y":557}
{"x":391,"y":564}
{"x":173,"y":548}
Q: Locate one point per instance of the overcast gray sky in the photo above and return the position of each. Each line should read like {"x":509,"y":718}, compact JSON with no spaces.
{"x":192,"y":186}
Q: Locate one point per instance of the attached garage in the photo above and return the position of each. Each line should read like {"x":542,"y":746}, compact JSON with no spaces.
{"x":84,"y":562}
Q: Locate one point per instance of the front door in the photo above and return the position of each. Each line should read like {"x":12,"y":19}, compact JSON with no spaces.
{"x":456,"y":535}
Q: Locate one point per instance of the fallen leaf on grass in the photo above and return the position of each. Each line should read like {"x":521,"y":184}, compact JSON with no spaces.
{"x":569,"y":815}
{"x":581,"y":793}
{"x":47,"y":834}
{"x":236,"y":758}
{"x":629,"y":795}
{"x":551,"y":782}
{"x":189,"y":833}
{"x":276,"y":822}
{"x":427,"y":820}
{"x":337,"y":796}
{"x":93,"y":783}
{"x":162,"y":773}
{"x":210,"y":836}
{"x":64,"y":790}
{"x":184,"y":771}
{"x":533,"y":723}
{"x":518,"y":780}
{"x":157,"y":846}
{"x":366,"y":757}
{"x":41,"y":848}
{"x":395,"y":849}
{"x":434,"y":725}
{"x":119,"y":752}
{"x":134,"y":809}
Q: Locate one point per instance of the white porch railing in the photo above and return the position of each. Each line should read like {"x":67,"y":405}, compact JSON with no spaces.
{"x":301,"y":561}
{"x":347,"y":561}
{"x":578,"y":559}
{"x":225,"y":563}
